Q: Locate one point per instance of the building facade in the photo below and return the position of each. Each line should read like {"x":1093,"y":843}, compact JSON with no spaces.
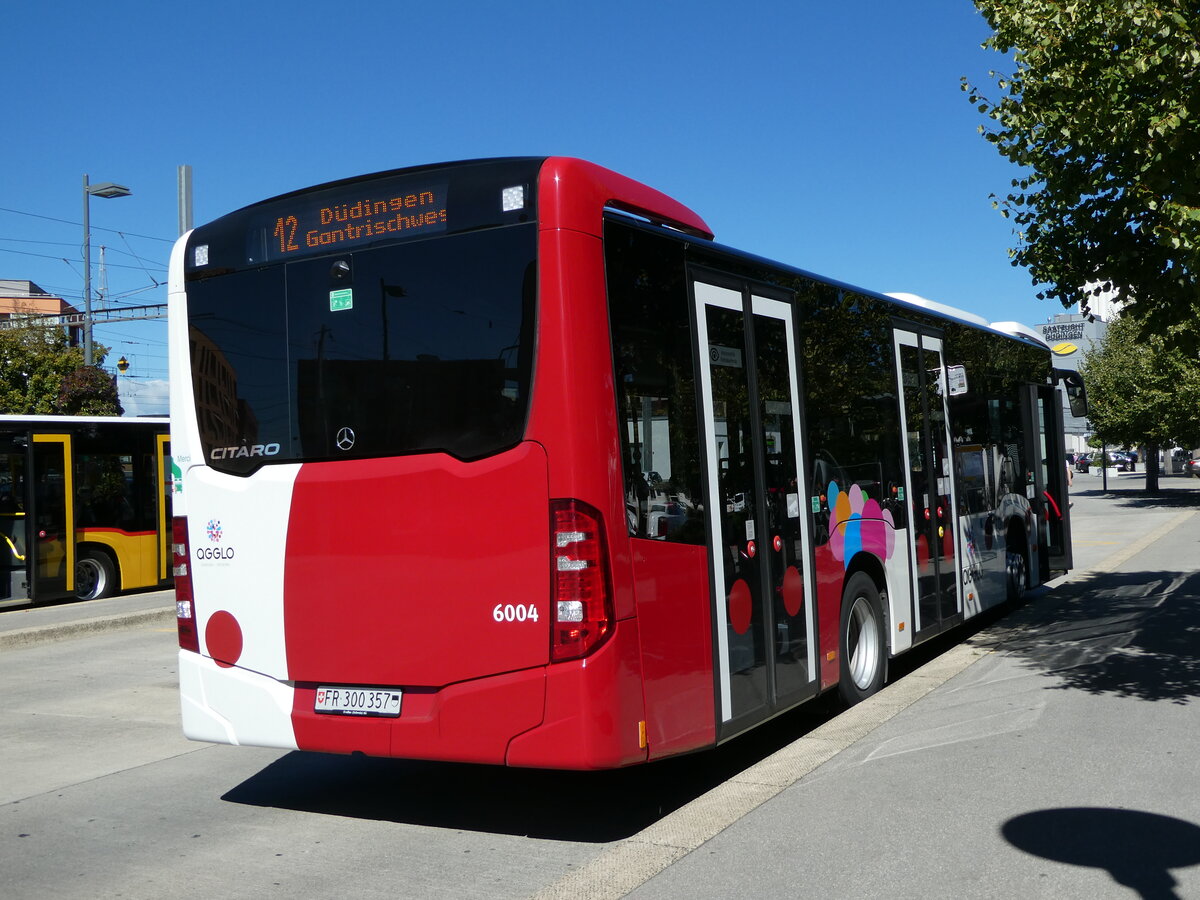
{"x":19,"y":298}
{"x":1070,"y":336}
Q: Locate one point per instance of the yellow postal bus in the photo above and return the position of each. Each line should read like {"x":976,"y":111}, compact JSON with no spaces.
{"x":84,"y":506}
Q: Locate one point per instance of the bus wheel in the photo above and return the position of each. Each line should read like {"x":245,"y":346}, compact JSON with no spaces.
{"x":863,"y":646}
{"x":94,"y":575}
{"x":1014,"y":565}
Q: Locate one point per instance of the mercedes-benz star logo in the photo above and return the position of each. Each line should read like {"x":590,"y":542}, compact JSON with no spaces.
{"x":345,"y":438}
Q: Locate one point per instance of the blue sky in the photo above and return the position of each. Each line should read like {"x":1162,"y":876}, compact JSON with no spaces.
{"x":830,"y":136}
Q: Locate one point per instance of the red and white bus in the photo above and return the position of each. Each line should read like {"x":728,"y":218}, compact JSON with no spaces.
{"x":506,"y":461}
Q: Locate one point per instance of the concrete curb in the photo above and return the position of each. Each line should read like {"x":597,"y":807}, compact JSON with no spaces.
{"x":42,"y":634}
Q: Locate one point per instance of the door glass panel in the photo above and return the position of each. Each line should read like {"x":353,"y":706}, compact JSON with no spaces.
{"x":1053,"y":478}
{"x":13,"y":553}
{"x":50,"y":540}
{"x":919,"y":493}
{"x":942,"y":535}
{"x":930,"y":480}
{"x":165,"y":483}
{"x":783,"y":542}
{"x":737,"y":541}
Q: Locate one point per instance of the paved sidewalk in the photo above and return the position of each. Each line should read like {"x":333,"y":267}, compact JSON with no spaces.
{"x":26,"y":626}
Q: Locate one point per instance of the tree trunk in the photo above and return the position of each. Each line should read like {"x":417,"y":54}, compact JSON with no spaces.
{"x":1152,"y":468}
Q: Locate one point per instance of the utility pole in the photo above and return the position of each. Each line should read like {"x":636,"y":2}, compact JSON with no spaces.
{"x":185,"y":199}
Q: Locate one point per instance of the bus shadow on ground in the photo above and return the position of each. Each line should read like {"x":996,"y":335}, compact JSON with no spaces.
{"x":589,"y":807}
{"x":592,"y":807}
{"x":1056,"y":633}
{"x":1133,"y":634}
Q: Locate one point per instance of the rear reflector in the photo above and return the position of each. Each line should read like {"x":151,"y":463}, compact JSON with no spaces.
{"x":583,"y":610}
{"x":185,"y":613}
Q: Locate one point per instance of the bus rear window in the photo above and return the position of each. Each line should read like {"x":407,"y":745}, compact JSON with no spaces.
{"x":404,"y":348}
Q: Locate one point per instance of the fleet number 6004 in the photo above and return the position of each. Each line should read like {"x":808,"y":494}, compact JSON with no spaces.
{"x":515,"y":612}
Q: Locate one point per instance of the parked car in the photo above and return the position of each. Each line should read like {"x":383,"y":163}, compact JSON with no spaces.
{"x":665,"y":517}
{"x":1192,"y":467}
{"x":1117,"y":459}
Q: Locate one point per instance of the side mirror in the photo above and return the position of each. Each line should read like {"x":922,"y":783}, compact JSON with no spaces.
{"x":1072,"y":383}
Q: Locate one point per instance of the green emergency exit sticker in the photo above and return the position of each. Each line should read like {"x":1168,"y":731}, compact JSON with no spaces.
{"x":900,"y":494}
{"x":816,"y":504}
{"x":341,"y":299}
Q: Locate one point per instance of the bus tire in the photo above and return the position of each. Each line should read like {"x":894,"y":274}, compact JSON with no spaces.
{"x":862,"y":640}
{"x":95,"y":575}
{"x":1015,"y":566}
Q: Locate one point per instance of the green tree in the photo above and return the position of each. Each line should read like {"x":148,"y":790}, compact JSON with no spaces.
{"x":1142,"y":390}
{"x":37,"y":363}
{"x":89,"y":391}
{"x":1100,"y":113}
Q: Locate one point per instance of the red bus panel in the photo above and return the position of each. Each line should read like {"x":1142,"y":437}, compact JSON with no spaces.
{"x":395,"y":568}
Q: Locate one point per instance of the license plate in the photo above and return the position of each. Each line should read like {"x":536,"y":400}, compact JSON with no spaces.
{"x":355,"y":701}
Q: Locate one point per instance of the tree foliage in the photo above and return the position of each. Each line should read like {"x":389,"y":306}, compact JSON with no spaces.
{"x":40,"y":374}
{"x":1141,"y":390}
{"x":89,"y":391}
{"x":1101,"y":114}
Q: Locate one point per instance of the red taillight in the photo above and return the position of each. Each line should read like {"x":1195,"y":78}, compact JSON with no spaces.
{"x":582,"y":610}
{"x":185,"y":613}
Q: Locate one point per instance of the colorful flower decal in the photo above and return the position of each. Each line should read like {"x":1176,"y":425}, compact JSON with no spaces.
{"x":214,"y":529}
{"x":858,"y":523}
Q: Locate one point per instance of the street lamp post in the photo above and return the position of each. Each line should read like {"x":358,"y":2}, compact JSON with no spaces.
{"x":104,"y":189}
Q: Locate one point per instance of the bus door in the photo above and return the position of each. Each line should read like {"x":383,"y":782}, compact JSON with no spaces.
{"x":50,"y":517}
{"x":1043,"y":403}
{"x":929,"y":481}
{"x":164,"y":484}
{"x":764,"y":622}
{"x":14,"y":541}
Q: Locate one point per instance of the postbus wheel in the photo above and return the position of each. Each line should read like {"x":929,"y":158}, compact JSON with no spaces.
{"x":863,"y":643}
{"x":1014,"y":566}
{"x":95,"y":576}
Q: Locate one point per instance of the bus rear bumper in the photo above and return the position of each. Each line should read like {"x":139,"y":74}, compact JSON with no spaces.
{"x":227,"y":705}
{"x":472,"y":721}
{"x":585,"y":714}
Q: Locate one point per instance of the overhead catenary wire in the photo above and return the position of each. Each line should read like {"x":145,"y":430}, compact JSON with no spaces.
{"x":148,"y":237}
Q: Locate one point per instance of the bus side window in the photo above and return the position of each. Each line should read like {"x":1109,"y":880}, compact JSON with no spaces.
{"x":655,"y":385}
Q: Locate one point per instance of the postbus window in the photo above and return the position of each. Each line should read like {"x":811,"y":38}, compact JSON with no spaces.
{"x":655,"y":382}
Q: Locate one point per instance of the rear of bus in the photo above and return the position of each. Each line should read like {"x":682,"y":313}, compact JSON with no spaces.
{"x":393,"y":413}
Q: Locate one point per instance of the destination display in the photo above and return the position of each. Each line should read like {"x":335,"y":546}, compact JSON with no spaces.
{"x":358,"y":215}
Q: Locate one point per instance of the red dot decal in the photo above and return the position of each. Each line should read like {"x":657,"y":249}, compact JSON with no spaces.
{"x":223,"y":637}
{"x":793,"y":591}
{"x":740,"y":607}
